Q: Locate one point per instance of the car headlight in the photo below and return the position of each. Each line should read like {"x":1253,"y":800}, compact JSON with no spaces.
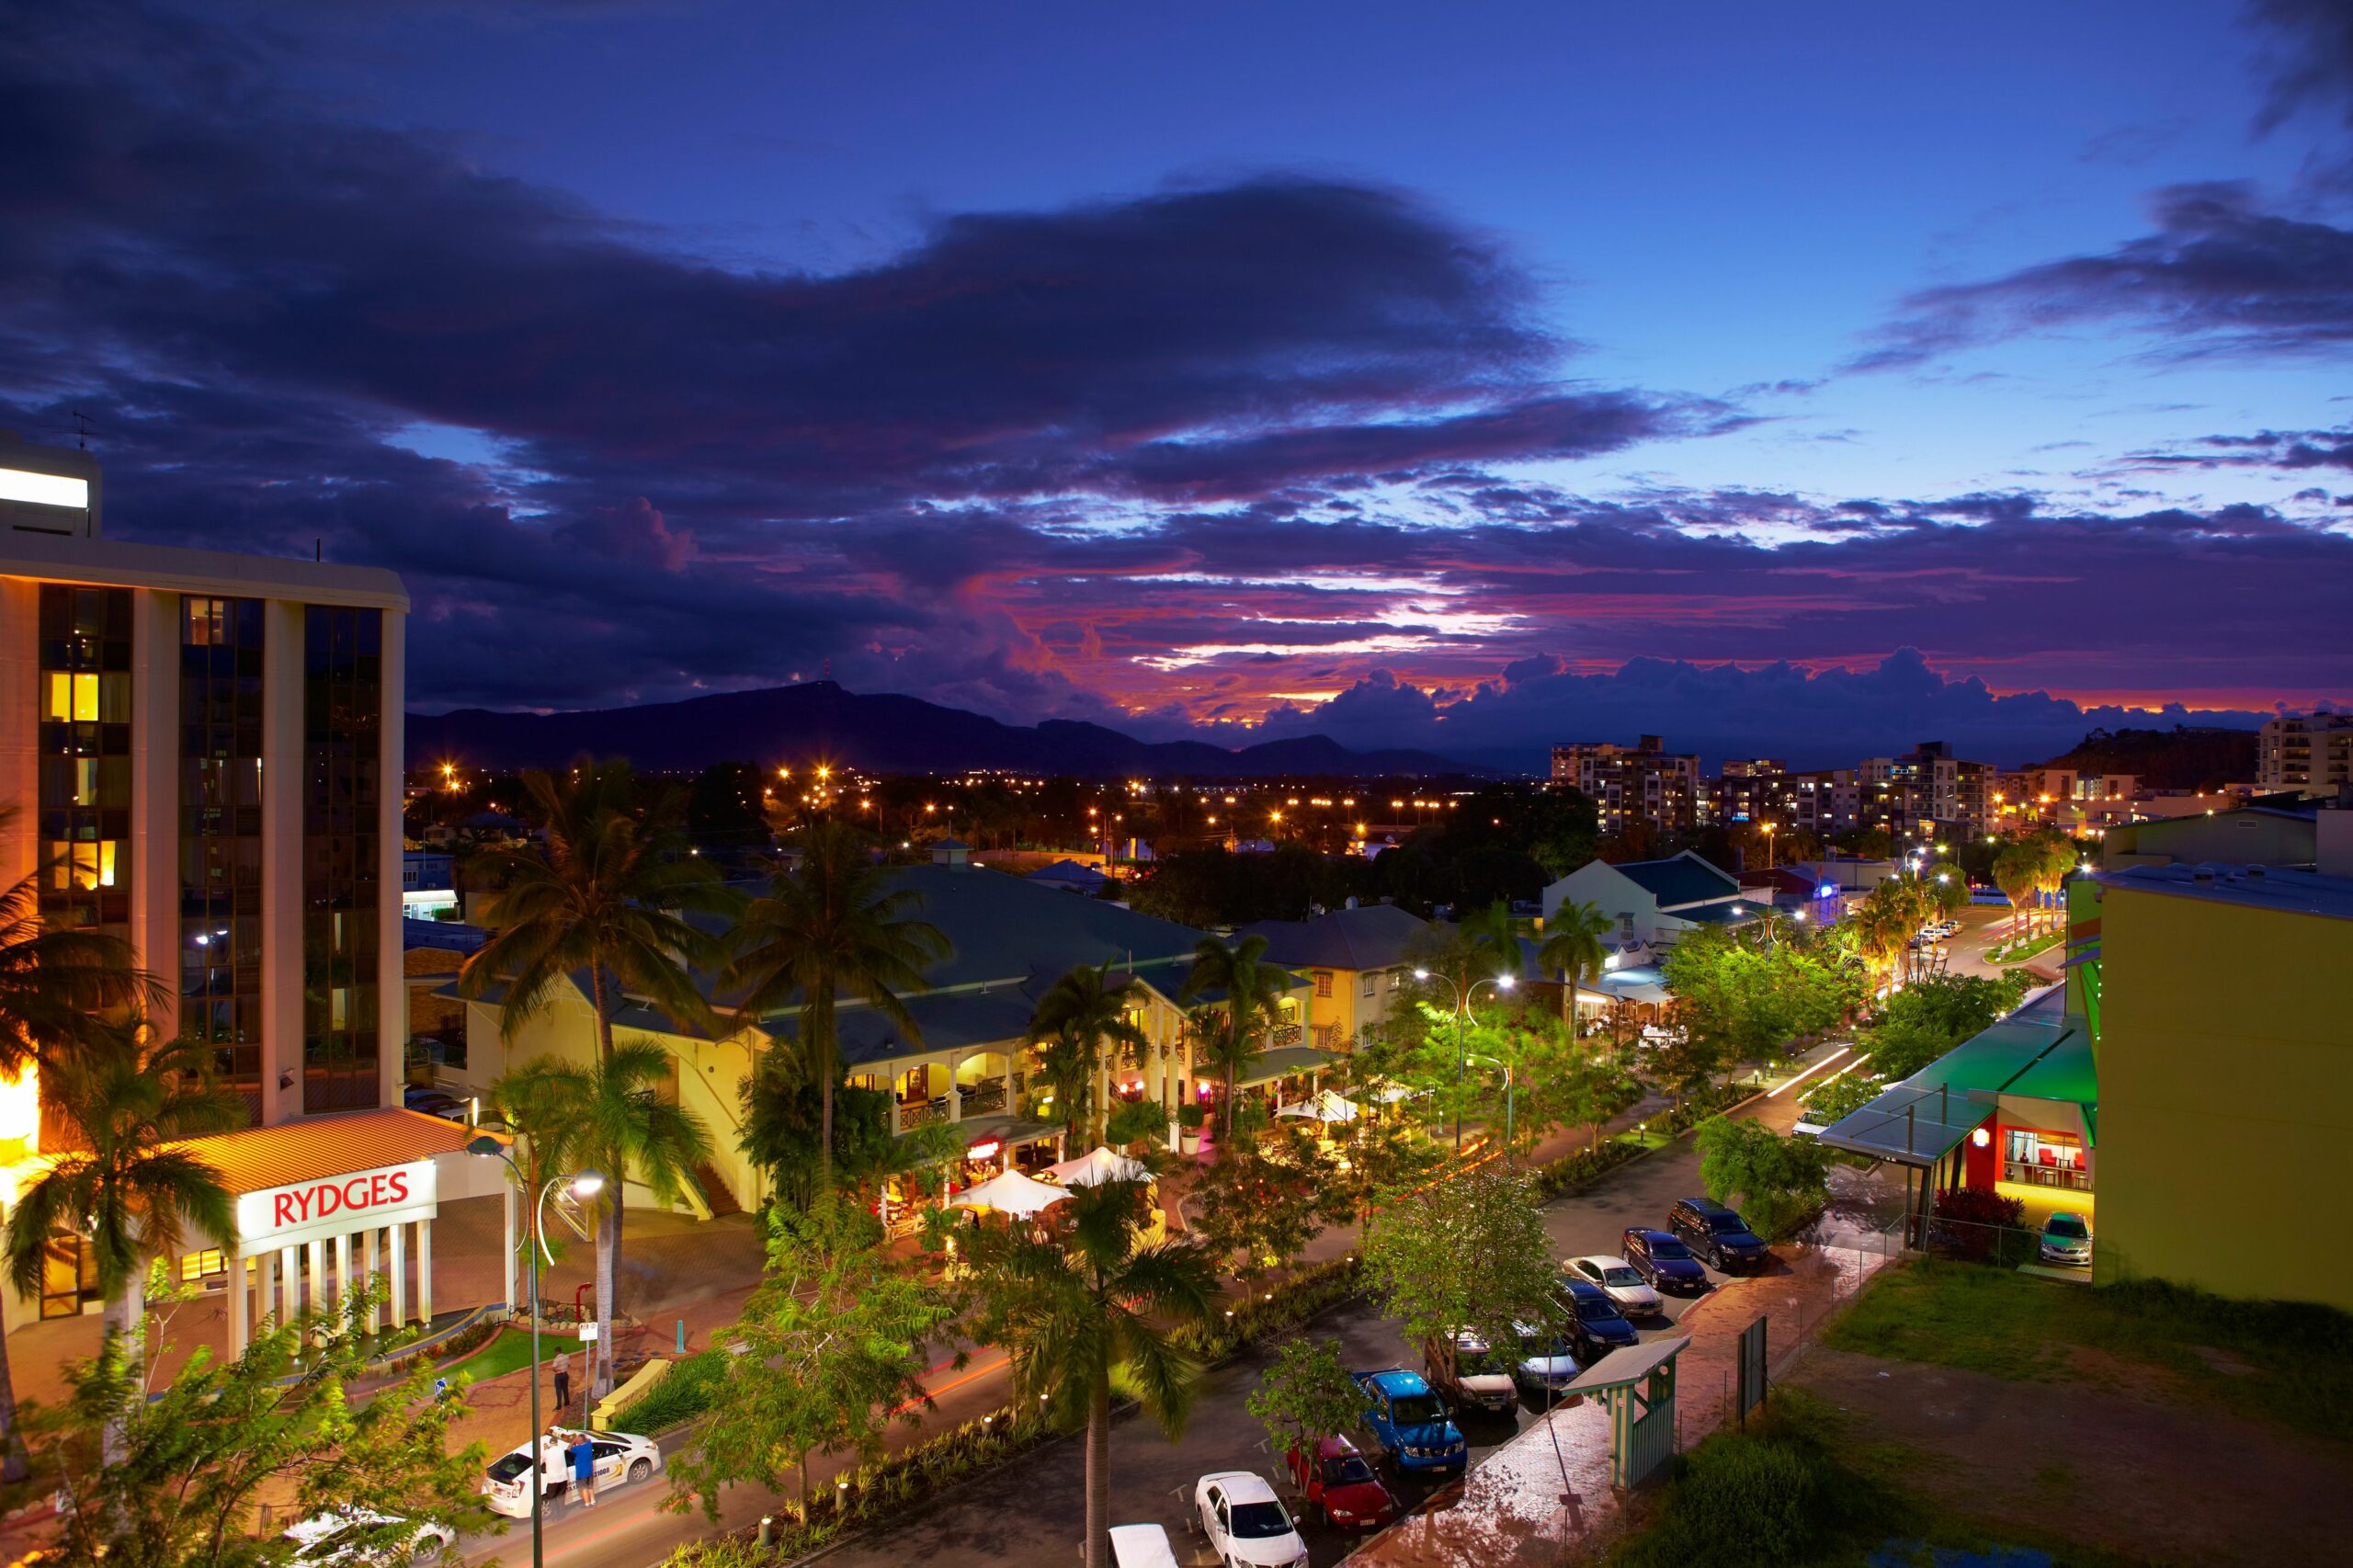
{"x":1342,"y":1514}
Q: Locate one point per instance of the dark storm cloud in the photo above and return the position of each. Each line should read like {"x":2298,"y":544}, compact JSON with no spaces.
{"x":2220,"y":274}
{"x":2309,"y":54}
{"x":2285,"y":450}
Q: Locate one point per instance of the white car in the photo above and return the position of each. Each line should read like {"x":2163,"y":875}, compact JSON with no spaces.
{"x":1247,"y":1525}
{"x":1546,"y":1363}
{"x":1481,"y":1378}
{"x":1618,"y":1281}
{"x":619,"y":1457}
{"x":356,"y":1536}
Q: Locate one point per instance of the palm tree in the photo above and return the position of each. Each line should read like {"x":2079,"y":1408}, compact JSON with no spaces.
{"x":832,"y":925}
{"x":126,"y":1185}
{"x":54,"y":987}
{"x":1576,"y":949}
{"x":608,"y":896}
{"x":1084,"y":1014}
{"x":1494,"y":943}
{"x":2015,"y":872}
{"x":611,"y":1117}
{"x":1075,"y":1311}
{"x":1251,"y":992}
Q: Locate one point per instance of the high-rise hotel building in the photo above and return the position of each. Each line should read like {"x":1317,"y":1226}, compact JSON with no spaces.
{"x":204,"y":753}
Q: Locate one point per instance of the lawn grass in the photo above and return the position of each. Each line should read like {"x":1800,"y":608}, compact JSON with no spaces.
{"x":1795,"y":1487}
{"x":510,"y":1349}
{"x":2283,"y":1362}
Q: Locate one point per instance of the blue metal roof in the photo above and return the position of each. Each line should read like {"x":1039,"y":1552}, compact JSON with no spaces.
{"x":1686,"y":879}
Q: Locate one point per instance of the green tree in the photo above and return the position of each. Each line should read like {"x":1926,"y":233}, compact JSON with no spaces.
{"x":1779,"y":1181}
{"x":783,"y":1113}
{"x":1086,"y":1015}
{"x":1306,"y":1396}
{"x":1576,"y":947}
{"x":54,"y":986}
{"x":831,"y":926}
{"x":1468,"y":1253}
{"x":1078,"y":1311}
{"x":611,"y":1117}
{"x":1266,"y":1196}
{"x":608,"y":895}
{"x":192,"y":1461}
{"x":1248,"y":994}
{"x":1385,"y":1157}
{"x":123,"y":1183}
{"x":832,"y":1354}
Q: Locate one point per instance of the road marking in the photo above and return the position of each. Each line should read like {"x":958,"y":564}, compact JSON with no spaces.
{"x":1809,"y":1072}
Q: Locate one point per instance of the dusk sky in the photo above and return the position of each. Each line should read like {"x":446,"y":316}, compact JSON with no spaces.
{"x":1818,"y":378}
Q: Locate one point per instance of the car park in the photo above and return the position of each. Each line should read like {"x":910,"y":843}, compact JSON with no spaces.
{"x":1473,"y":1375}
{"x":1548,"y":1361}
{"x":1247,"y":1524}
{"x":619,"y":1457}
{"x":1625,"y":1288}
{"x":1595,"y":1325}
{"x":1409,"y":1422}
{"x":1338,"y":1483}
{"x":2066,"y":1238}
{"x":354,"y":1536}
{"x":1663,"y":1261}
{"x":1716,"y":1233}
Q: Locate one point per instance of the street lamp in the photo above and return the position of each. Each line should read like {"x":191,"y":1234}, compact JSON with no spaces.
{"x":582,"y":1183}
{"x":1510,"y":1156}
{"x":1461,"y":1023}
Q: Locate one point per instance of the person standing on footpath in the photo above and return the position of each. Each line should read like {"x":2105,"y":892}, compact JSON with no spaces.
{"x":563,"y":1381}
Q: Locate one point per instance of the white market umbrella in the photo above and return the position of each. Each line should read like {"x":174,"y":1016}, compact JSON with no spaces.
{"x":1011,"y":1193}
{"x":1390,"y":1094}
{"x":1328,"y":1107}
{"x":1096,"y":1166}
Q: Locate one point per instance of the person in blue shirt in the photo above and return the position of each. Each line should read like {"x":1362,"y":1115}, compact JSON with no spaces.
{"x":582,"y":1456}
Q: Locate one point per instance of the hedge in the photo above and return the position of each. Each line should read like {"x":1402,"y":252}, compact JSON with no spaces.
{"x":684,"y":1393}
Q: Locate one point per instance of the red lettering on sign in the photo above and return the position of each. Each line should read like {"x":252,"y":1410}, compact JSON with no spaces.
{"x":358,"y":1202}
{"x":329,"y":1200}
{"x":376,"y":1190}
{"x":400,"y":1187}
{"x":300,"y":1204}
{"x":285,"y":1209}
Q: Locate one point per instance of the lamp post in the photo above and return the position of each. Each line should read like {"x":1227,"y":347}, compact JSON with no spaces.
{"x":1461,"y":1024}
{"x":582,"y":1183}
{"x":1510,"y":1155}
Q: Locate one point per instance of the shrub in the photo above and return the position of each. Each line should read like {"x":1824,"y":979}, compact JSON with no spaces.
{"x":684,"y":1393}
{"x":1981,"y":1206}
{"x":1772,"y":1494}
{"x":1277,"y":1310}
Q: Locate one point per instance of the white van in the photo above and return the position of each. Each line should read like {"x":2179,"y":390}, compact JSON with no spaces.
{"x":1141,"y":1546}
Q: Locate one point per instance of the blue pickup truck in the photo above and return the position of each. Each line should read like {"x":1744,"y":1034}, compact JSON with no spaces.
{"x":1409,"y":1422}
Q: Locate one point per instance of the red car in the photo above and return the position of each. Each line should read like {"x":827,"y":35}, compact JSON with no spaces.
{"x":1343,"y":1485}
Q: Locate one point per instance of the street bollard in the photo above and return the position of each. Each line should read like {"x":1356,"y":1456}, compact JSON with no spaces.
{"x":682,"y":1336}
{"x":767,"y":1531}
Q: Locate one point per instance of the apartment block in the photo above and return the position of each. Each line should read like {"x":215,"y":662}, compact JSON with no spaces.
{"x":1641,"y":783}
{"x":2312,"y":754}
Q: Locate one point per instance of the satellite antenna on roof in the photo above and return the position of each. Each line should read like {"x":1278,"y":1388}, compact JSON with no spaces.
{"x":82,"y":428}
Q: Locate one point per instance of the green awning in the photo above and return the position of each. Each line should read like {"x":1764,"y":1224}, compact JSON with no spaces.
{"x":1919,"y":1120}
{"x":1283,"y":1061}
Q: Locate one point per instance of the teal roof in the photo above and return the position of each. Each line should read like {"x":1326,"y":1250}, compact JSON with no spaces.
{"x":1686,"y":879}
{"x":1283,"y":1061}
{"x":2037,"y":1052}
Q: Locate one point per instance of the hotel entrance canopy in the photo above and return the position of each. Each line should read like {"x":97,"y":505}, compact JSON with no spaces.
{"x":2037,"y":1052}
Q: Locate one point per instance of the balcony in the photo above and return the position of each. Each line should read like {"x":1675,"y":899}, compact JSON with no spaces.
{"x":981,"y":1099}
{"x":1284,"y":1034}
{"x":921,"y":1113}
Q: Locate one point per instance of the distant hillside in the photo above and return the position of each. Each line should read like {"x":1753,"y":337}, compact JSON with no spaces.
{"x":881,"y":733}
{"x":2180,"y":759}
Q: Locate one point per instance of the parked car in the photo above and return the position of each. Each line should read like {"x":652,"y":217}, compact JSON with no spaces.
{"x":1141,"y":1546}
{"x":1478,"y":1377}
{"x":620,"y":1455}
{"x":356,"y":1536}
{"x":1595,"y":1325}
{"x":1716,"y":1233}
{"x":1339,"y":1481}
{"x":1548,"y":1361}
{"x":2066,"y":1238}
{"x":1663,"y":1261}
{"x":1247,"y":1525}
{"x":1618,"y":1281}
{"x":434,"y":1102}
{"x":1409,"y":1422}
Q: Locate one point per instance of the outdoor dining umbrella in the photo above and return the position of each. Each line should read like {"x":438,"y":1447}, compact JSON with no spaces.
{"x":1327,"y":1106}
{"x":1011,"y":1193}
{"x":1096,"y":1166}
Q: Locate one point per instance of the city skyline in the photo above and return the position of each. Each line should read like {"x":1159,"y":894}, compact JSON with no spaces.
{"x":1734,"y":380}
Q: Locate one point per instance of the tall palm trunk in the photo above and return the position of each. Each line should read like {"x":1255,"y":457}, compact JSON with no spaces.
{"x":1099,"y":1470}
{"x":608,"y":1249}
{"x":14,"y":1465}
{"x":122,"y":1317}
{"x":821,"y":1025}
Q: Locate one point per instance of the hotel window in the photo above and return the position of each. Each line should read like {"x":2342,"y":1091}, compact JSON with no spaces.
{"x":1367,"y":983}
{"x":82,"y":813}
{"x":341,"y":877}
{"x":220,"y":887}
{"x":198,"y":1267}
{"x":1322,"y":983}
{"x":2044,"y":1159}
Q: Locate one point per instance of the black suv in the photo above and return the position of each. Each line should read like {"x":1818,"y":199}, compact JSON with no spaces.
{"x":1716,"y":1233}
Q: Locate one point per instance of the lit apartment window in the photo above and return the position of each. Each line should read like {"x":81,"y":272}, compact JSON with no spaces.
{"x":1322,"y":983}
{"x":84,"y":790}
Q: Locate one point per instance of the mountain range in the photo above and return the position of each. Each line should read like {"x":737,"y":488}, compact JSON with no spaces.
{"x":876,"y":733}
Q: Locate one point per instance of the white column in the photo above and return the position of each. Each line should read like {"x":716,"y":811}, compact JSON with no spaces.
{"x":266,"y":1286}
{"x":371,"y":1264}
{"x":290,"y":1284}
{"x":513,"y":1271}
{"x":320,"y":1305}
{"x":237,"y":1304}
{"x":343,"y":1269}
{"x":425,"y":1271}
{"x":396,"y":1265}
